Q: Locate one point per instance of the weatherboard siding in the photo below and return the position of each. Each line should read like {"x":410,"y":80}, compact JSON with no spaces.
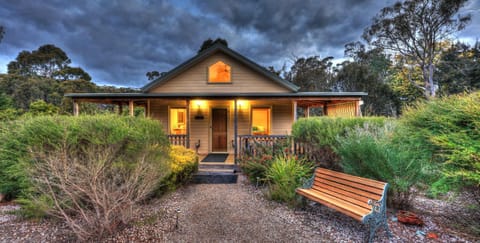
{"x":200,"y":129}
{"x":244,"y":80}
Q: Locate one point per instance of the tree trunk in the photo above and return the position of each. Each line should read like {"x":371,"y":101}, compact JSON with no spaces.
{"x":430,"y":80}
{"x":426,"y":83}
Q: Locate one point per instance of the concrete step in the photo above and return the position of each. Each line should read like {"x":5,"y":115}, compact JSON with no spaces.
{"x":205,"y":177}
{"x":216,"y":170}
{"x":216,"y":173}
{"x":217,"y":166}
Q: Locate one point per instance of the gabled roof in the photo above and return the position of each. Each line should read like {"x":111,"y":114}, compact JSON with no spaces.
{"x":218,"y":47}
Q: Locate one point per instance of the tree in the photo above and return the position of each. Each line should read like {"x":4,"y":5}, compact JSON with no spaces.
{"x":209,"y":42}
{"x":414,"y":29}
{"x":72,"y":73}
{"x":45,"y":62}
{"x":355,"y":77}
{"x":280,"y":72}
{"x":458,"y":70}
{"x":311,"y":73}
{"x":152,"y":75}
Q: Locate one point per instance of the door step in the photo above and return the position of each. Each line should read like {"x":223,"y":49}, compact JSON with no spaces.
{"x":216,"y":174}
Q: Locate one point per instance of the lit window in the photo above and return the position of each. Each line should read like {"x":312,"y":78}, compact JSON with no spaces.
{"x":219,"y":73}
{"x":178,"y":121}
{"x":261,"y":121}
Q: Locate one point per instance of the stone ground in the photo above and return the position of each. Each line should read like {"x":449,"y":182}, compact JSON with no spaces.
{"x":240,"y":213}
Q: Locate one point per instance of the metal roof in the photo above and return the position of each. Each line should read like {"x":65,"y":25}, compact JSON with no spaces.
{"x":297,"y":95}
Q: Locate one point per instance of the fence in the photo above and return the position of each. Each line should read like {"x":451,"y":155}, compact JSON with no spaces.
{"x":178,"y":140}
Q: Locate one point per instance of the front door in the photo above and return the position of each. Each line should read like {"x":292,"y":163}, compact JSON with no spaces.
{"x":219,"y":130}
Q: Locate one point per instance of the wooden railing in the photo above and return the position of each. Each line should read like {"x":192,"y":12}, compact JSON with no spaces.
{"x":254,"y":145}
{"x":178,"y":140}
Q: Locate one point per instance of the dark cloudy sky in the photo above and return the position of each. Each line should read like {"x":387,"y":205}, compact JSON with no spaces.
{"x":118,"y":41}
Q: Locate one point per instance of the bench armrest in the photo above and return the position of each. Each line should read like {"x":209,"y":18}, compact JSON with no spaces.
{"x":376,"y":205}
{"x":308,"y":182}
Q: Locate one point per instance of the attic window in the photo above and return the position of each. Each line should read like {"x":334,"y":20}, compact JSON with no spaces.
{"x":219,"y":73}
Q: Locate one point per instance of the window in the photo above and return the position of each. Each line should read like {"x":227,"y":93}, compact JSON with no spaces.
{"x":261,"y":121}
{"x":178,"y":121}
{"x":219,"y":73}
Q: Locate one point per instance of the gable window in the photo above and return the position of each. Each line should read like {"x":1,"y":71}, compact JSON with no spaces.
{"x":178,"y":121}
{"x":261,"y":121}
{"x":219,"y":72}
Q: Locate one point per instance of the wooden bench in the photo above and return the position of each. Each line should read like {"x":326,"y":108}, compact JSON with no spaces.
{"x":360,"y":198}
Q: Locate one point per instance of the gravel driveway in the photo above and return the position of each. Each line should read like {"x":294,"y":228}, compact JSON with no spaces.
{"x":239,"y":213}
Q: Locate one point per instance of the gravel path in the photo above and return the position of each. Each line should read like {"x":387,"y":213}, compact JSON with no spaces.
{"x":239,"y":213}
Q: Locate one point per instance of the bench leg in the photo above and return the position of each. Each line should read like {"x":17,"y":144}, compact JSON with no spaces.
{"x":374,"y":224}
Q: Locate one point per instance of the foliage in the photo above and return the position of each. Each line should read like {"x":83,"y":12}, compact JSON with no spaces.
{"x":458,"y":70}
{"x":259,"y":157}
{"x":356,"y":77}
{"x":285,"y":175}
{"x":92,"y":188}
{"x":184,"y":163}
{"x":152,"y":75}
{"x":414,"y":28}
{"x":45,"y":74}
{"x":47,"y":61}
{"x":40,"y":107}
{"x":9,"y":114}
{"x":320,"y":135}
{"x":450,"y":126}
{"x":311,"y":73}
{"x":382,"y":153}
{"x":404,"y":83}
{"x":255,"y":167}
{"x":19,"y":138}
{"x":5,"y":102}
{"x":209,"y":42}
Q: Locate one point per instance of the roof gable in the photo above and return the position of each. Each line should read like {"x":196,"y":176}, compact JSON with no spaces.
{"x":216,"y":48}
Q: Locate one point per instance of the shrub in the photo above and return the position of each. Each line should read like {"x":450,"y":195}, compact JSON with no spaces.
{"x":184,"y":163}
{"x":255,"y":167}
{"x":374,"y":152}
{"x":41,"y":107}
{"x":260,"y":156}
{"x":285,"y":175}
{"x":320,"y":134}
{"x":91,"y":171}
{"x":450,"y":129}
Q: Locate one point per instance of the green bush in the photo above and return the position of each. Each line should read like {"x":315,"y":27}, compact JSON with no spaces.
{"x":255,"y":167}
{"x":375,"y":152}
{"x":184,"y":163}
{"x":285,"y":175}
{"x":19,"y":138}
{"x":450,"y":128}
{"x":258,"y":159}
{"x":90,"y":171}
{"x":320,"y":134}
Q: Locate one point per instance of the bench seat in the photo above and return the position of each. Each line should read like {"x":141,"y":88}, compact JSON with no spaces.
{"x":359,"y":198}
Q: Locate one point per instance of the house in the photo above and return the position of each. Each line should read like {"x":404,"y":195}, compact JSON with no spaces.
{"x":217,"y":99}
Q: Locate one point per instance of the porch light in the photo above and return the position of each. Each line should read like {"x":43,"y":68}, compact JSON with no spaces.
{"x":200,"y":104}
{"x":241,"y":103}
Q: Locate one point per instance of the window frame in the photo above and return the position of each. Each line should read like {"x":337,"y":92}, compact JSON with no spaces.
{"x":220,"y":82}
{"x":185,"y":122}
{"x":269,"y":120}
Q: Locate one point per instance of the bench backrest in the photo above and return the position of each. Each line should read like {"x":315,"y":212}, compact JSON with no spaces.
{"x":353,"y":189}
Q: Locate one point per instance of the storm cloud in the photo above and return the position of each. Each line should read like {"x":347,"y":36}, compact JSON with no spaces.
{"x":117,"y":42}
